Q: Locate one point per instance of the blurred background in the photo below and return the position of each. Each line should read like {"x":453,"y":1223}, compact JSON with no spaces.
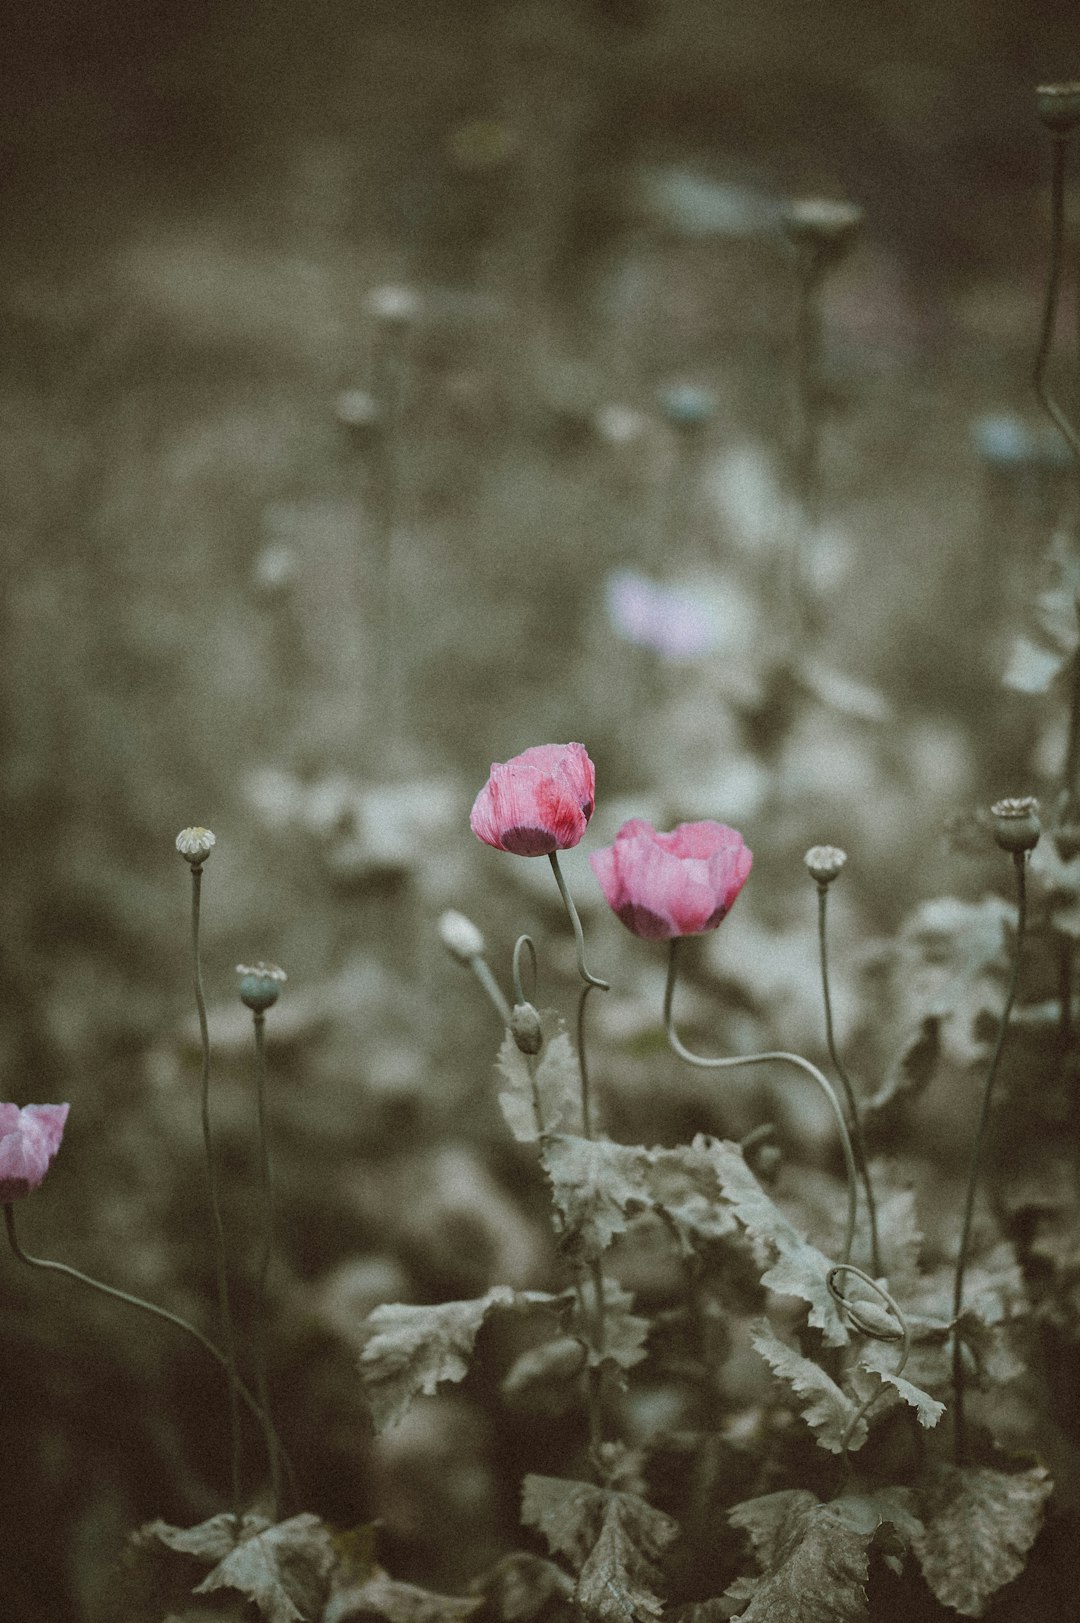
{"x":386,"y":388}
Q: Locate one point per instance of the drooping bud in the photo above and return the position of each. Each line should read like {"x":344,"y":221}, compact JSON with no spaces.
{"x":195,"y":844}
{"x":525,"y":1028}
{"x":823,"y":862}
{"x":460,"y":937}
{"x":260,"y":985}
{"x":1058,"y":106}
{"x":1016,"y":824}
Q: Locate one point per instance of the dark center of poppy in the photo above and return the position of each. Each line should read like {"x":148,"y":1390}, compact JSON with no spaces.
{"x":644,"y":922}
{"x":528,"y":842}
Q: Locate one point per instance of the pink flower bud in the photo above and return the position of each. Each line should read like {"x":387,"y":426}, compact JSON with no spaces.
{"x":539,"y":802}
{"x":665,"y":885}
{"x":29,"y":1139}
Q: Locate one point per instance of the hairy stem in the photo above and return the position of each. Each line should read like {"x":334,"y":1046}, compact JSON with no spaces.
{"x":224,"y":1309}
{"x":857,"y":1138}
{"x":1020,"y":861}
{"x":708,"y":1062}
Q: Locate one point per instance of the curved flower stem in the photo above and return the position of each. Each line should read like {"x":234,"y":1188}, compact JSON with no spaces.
{"x":215,"y":1206}
{"x":520,"y":945}
{"x":1053,"y":287}
{"x":133,"y":1301}
{"x":903,"y":1336}
{"x":579,"y":938}
{"x":1020,"y":861}
{"x":857,"y":1138}
{"x":266,"y":1191}
{"x":707,"y":1062}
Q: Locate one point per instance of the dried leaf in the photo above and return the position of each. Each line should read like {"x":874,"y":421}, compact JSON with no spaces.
{"x":413,"y":1349}
{"x":979,"y":1525}
{"x":558,"y":1084}
{"x":522,"y":1586}
{"x":828,"y":1411}
{"x":815,"y":1564}
{"x":384,"y":1597}
{"x":284,"y":1570}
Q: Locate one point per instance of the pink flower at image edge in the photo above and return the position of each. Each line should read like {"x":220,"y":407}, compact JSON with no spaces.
{"x":538,"y":802}
{"x":29,"y":1139}
{"x":665,"y":885}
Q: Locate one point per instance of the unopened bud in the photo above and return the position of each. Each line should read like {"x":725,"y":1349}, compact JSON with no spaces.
{"x":1016,"y":824}
{"x":460,"y":937}
{"x":823,"y":862}
{"x":871,"y":1319}
{"x":1058,"y":106}
{"x":195,"y":844}
{"x":823,"y":229}
{"x":260,"y":985}
{"x":525,"y":1028}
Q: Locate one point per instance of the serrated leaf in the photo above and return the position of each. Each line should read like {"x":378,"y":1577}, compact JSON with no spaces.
{"x":557,"y":1081}
{"x":596,"y":1184}
{"x":625,"y":1332}
{"x":571,"y":1516}
{"x":801,"y":1269}
{"x":914,"y":1068}
{"x":284,"y":1570}
{"x":978,"y":1526}
{"x":412,"y":1349}
{"x":617,"y":1583}
{"x":384,"y":1597}
{"x":828,"y":1411}
{"x":566,"y":1512}
{"x":874,"y":1369}
{"x":816,"y":1565}
{"x":209,"y":1542}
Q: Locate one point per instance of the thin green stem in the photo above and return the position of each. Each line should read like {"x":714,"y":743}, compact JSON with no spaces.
{"x":496,"y":998}
{"x":521,"y":945}
{"x":583,"y":1066}
{"x":1020,"y":861}
{"x":262,"y":1269}
{"x":857,"y":1138}
{"x":132,"y":1301}
{"x":1050,"y":405}
{"x":708,"y":1062}
{"x":579,"y":936}
{"x":211,"y":1182}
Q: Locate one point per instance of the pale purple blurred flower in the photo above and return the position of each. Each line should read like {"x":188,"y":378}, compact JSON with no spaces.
{"x":668,"y":619}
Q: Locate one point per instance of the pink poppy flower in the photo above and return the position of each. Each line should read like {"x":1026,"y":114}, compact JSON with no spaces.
{"x":539,"y":802}
{"x":665,"y":885}
{"x":29,"y":1138}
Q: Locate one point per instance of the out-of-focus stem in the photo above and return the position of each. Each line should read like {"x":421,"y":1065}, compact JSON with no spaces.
{"x":857,"y":1138}
{"x":262,"y":1270}
{"x":708,"y":1062}
{"x":1020,"y":861}
{"x":132,"y":1301}
{"x":211,"y":1184}
{"x":1058,"y":150}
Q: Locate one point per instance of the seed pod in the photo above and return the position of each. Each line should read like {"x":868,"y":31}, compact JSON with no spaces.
{"x":1016,"y":824}
{"x":823,"y":862}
